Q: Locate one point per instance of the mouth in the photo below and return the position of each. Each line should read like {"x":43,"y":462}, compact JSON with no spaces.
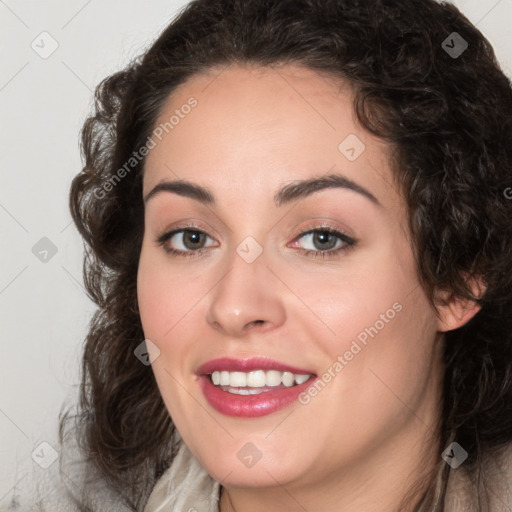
{"x":251,"y":387}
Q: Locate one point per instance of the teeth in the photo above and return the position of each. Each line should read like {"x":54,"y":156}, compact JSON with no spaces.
{"x":244,"y":391}
{"x":288,"y":379}
{"x":300,"y":379}
{"x":273,"y":378}
{"x":238,"y":379}
{"x":256,"y":379}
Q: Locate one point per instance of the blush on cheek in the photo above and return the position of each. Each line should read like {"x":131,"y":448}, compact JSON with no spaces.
{"x":155,"y":290}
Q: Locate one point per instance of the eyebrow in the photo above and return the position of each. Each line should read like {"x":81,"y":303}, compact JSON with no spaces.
{"x":288,"y":193}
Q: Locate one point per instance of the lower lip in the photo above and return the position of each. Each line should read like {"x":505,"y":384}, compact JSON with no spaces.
{"x":250,"y":406}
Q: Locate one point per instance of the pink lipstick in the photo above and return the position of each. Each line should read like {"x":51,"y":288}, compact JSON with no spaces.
{"x":251,"y":387}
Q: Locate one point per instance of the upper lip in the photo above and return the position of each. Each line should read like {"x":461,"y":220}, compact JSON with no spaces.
{"x":248,"y":364}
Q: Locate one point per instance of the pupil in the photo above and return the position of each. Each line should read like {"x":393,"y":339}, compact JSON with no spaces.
{"x":193,"y":238}
{"x":322,"y":238}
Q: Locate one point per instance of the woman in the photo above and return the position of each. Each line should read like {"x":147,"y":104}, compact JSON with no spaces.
{"x":299,"y":241}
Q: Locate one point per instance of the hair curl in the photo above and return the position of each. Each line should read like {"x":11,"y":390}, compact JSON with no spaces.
{"x":448,"y":123}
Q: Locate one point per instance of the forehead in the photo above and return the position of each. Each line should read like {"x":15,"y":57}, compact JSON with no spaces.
{"x":274,"y":125}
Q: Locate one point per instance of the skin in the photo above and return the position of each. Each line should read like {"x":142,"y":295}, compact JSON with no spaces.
{"x":371,"y":432}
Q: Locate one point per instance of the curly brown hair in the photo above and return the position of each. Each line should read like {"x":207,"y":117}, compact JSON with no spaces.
{"x":448,"y":122}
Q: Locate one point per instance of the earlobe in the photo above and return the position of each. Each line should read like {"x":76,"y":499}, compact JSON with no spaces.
{"x":454,"y":311}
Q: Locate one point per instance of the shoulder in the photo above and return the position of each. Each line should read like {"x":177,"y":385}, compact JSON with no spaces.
{"x":73,"y":484}
{"x":70,"y":484}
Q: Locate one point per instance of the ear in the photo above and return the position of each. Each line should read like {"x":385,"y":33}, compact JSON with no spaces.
{"x":454,"y":311}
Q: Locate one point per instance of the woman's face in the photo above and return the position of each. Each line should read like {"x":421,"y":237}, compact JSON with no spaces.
{"x":280,"y":279}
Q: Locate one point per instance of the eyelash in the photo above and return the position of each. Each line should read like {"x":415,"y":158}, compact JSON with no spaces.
{"x":349,"y":243}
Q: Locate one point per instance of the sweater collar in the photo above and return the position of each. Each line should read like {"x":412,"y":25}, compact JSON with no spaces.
{"x":185,"y":486}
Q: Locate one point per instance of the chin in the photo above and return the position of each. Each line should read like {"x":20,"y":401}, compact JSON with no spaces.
{"x":251,"y":461}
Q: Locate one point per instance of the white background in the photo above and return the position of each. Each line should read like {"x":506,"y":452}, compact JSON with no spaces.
{"x":44,"y":312}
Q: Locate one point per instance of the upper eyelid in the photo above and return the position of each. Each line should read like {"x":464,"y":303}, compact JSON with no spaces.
{"x":189,"y":227}
{"x":168,"y":234}
{"x":317,"y":223}
{"x":302,"y":232}
{"x":329,"y":228}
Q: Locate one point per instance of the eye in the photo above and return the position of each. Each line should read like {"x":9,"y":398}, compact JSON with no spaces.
{"x":323,"y":242}
{"x":184,"y":242}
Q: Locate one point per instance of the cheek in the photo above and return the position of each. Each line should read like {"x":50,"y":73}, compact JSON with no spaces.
{"x":168,"y":300}
{"x":164,"y":301}
{"x":165,"y":296}
{"x":378,"y":359}
{"x":365,"y":297}
{"x":377,"y":323}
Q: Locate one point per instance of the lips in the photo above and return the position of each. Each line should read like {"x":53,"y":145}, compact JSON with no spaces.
{"x":251,"y":401}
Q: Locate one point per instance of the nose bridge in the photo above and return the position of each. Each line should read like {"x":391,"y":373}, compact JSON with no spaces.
{"x":245,"y":295}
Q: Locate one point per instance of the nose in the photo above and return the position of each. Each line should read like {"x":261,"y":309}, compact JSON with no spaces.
{"x":246,"y":298}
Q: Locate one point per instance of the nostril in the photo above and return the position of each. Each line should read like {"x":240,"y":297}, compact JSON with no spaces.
{"x":257,"y":322}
